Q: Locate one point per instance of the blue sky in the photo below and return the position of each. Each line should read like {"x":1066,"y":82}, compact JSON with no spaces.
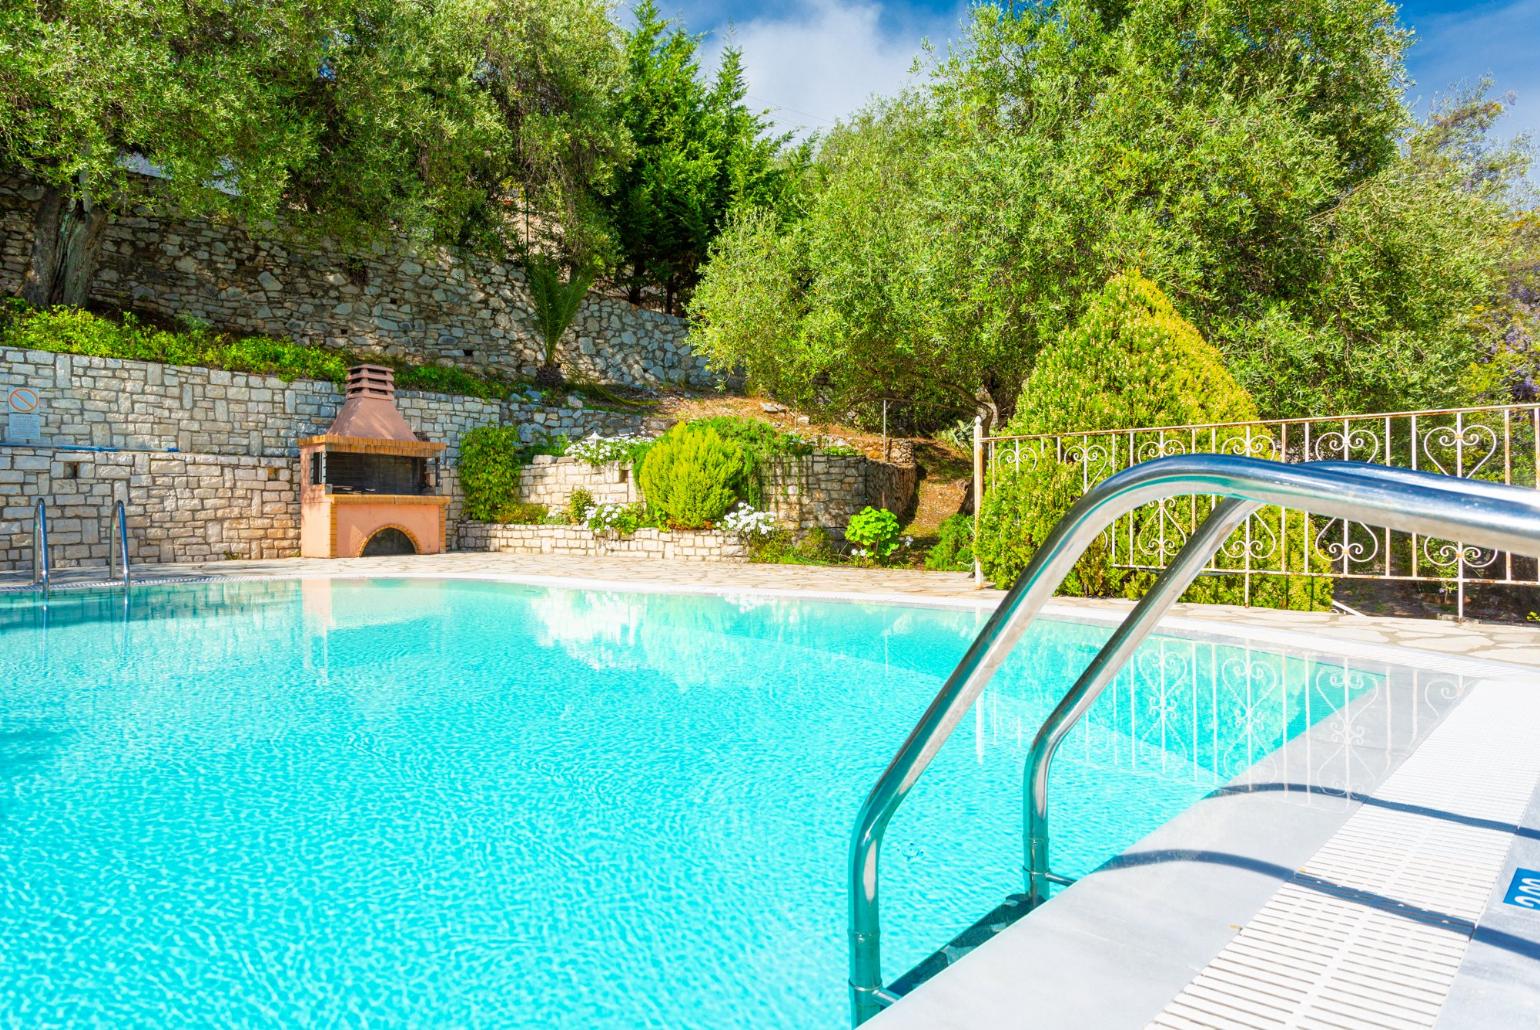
{"x":813,"y":61}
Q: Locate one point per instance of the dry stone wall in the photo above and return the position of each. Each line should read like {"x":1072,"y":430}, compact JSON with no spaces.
{"x":205,"y":462}
{"x":825,"y":490}
{"x":392,"y":299}
{"x":550,"y":481}
{"x":195,"y":453}
{"x":699,"y":545}
{"x":822,"y":490}
{"x":180,"y":507}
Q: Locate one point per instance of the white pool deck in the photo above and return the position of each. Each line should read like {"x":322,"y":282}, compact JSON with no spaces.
{"x":1355,"y":877}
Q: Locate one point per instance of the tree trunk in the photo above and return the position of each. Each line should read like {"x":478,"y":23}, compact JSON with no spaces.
{"x":66,"y":248}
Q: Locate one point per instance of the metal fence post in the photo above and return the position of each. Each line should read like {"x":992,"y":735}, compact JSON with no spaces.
{"x":978,"y":495}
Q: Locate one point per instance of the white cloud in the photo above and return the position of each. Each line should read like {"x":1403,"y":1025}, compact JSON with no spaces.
{"x":821,"y":60}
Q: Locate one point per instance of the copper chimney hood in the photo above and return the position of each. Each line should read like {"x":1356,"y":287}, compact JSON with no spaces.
{"x":368,"y":485}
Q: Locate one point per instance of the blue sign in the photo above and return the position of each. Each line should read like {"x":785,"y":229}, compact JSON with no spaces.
{"x":1524,"y":891}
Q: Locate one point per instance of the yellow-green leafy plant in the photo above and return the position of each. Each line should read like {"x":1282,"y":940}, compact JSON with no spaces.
{"x":1133,"y":361}
{"x":692,"y":476}
{"x":491,"y":458}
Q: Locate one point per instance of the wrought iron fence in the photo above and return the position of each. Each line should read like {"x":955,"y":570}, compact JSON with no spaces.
{"x":1498,"y":443}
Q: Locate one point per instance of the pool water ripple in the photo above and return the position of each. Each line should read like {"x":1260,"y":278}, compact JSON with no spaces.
{"x":407,"y":802}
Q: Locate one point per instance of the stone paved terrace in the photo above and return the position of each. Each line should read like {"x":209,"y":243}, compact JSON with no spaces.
{"x":1519,"y":645}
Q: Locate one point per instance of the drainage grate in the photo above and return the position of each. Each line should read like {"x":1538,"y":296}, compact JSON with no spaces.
{"x":1373,"y":929}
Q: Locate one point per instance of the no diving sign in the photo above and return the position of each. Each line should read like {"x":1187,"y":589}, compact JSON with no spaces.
{"x":22,"y":421}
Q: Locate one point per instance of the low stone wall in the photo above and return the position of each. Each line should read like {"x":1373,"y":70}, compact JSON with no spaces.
{"x":550,"y":481}
{"x":699,"y":545}
{"x":142,"y":405}
{"x":180,"y":507}
{"x":822,"y":490}
{"x":393,"y":298}
{"x":825,"y":490}
{"x":893,"y":486}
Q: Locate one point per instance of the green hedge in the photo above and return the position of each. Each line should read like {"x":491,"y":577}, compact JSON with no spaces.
{"x":953,"y":551}
{"x":1132,"y":361}
{"x":76,"y":331}
{"x":491,"y":460}
{"x":760,"y":442}
{"x":692,"y":475}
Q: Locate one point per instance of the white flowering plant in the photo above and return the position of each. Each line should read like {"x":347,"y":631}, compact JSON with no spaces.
{"x":601,"y":450}
{"x":624,"y":519}
{"x":747,"y":522}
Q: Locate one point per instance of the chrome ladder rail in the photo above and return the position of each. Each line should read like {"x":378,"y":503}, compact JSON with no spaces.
{"x":40,"y":565}
{"x":1487,"y":515}
{"x":120,"y":519}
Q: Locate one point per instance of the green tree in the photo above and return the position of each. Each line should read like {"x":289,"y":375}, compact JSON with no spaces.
{"x":555,"y":72}
{"x":839,"y":308}
{"x":349,"y":116}
{"x":1130,"y":362}
{"x":699,"y":151}
{"x":1249,"y":157}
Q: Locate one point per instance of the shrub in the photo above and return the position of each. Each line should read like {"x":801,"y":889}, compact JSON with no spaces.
{"x":525,"y":513}
{"x":781,"y":547}
{"x":601,"y":450}
{"x":761,"y":443}
{"x":624,"y":519}
{"x":578,"y":503}
{"x":1130,"y":362}
{"x":953,"y":550}
{"x":875,"y":531}
{"x":490,"y":460}
{"x":691,"y":475}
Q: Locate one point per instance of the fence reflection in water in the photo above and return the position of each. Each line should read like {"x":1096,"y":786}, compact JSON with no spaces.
{"x":1163,"y":715}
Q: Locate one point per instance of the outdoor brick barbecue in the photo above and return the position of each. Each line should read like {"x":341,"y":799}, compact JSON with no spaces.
{"x":368,"y":485}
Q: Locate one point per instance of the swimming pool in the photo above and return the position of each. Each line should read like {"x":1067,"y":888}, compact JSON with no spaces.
{"x":450,"y":801}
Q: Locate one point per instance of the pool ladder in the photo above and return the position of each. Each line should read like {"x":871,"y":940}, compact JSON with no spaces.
{"x":1487,"y":515}
{"x":42,"y":565}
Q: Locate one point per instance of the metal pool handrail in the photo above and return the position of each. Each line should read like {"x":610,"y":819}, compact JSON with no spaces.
{"x":40,"y":567}
{"x":1488,"y":515}
{"x":120,"y":518}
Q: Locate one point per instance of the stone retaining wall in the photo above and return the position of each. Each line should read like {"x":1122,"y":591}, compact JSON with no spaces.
{"x":205,"y":462}
{"x":822,"y":490}
{"x":550,"y":481}
{"x":825,"y":490}
{"x":700,"y":545}
{"x":392,"y":299}
{"x":180,"y":507}
{"x":142,"y":405}
{"x":105,"y":402}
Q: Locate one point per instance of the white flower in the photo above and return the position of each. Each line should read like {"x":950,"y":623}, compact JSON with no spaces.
{"x":745,"y":521}
{"x":600,"y":450}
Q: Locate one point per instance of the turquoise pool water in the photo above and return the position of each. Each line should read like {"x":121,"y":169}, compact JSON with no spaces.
{"x":451,"y":802}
